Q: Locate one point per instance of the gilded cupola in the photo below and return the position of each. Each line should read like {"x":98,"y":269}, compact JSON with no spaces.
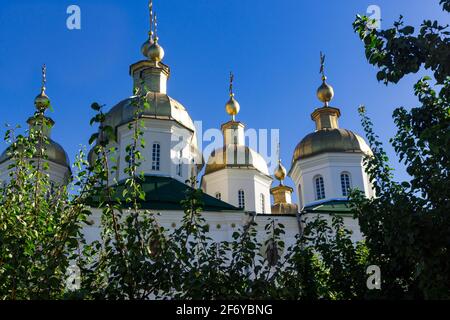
{"x":328,"y":137}
{"x":234,"y":153}
{"x":282,"y":195}
{"x":54,"y":152}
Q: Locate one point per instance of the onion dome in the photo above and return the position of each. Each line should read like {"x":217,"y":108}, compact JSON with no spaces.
{"x":280,"y":172}
{"x":155,"y":52}
{"x":54,"y":152}
{"x":235,"y":156}
{"x":151,"y":48}
{"x":232,"y":107}
{"x":330,"y":140}
{"x":328,"y":137}
{"x":325,"y":92}
{"x":42,"y":101}
{"x":146,"y":45}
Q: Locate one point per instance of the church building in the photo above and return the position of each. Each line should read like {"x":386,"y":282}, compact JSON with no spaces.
{"x":235,"y":179}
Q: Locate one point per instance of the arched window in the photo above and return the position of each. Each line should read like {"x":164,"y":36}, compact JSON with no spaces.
{"x":180,"y":165}
{"x":345,"y":184}
{"x":156,"y":156}
{"x":241,"y":199}
{"x":219,"y":196}
{"x":263,"y":203}
{"x":319,"y":187}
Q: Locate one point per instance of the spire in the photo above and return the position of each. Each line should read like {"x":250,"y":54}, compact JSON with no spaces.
{"x":150,"y":9}
{"x":232,"y":107}
{"x":325,"y":92}
{"x":155,"y":27}
{"x":42,"y":102}
{"x":280,"y":171}
{"x":325,"y":117}
{"x":282,"y":195}
{"x":151,"y":73}
{"x":231,"y":84}
{"x":151,"y":49}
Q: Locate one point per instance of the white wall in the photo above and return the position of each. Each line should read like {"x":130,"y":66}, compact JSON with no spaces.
{"x":230,"y":180}
{"x":349,"y":222}
{"x":329,"y":166}
{"x":222,"y":224}
{"x":168,"y":134}
{"x":57,"y":173}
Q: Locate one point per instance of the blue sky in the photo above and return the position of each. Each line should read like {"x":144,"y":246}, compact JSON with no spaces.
{"x":271,"y":46}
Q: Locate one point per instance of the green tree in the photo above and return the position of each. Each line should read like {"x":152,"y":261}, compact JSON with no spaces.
{"x":39,"y":230}
{"x":407,"y":226}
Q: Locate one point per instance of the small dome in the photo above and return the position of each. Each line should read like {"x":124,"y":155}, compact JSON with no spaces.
{"x":232,"y":107}
{"x":236,"y":157}
{"x":280,"y":172}
{"x":155,"y":51}
{"x":330,"y":140}
{"x":53,"y":150}
{"x":161,"y":107}
{"x":145,"y":49}
{"x":325,"y":92}
{"x":42,"y":102}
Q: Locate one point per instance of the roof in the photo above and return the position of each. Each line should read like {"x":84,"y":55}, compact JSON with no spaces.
{"x":236,"y":157}
{"x":161,"y":106}
{"x":53,"y":151}
{"x":165,"y":193}
{"x":330,"y":140}
{"x":330,"y":206}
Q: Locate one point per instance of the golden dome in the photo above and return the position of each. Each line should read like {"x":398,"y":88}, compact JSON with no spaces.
{"x":42,"y":101}
{"x":325,"y":92}
{"x":232,"y":107}
{"x":155,"y":51}
{"x":235,"y":156}
{"x":145,"y":49}
{"x":162,"y":106}
{"x":330,"y":140}
{"x":280,"y":172}
{"x":54,"y":153}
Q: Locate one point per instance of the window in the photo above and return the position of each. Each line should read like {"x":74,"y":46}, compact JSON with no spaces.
{"x":218,"y":196}
{"x":180,"y":164}
{"x":241,"y":199}
{"x":320,"y":187}
{"x":156,"y":156}
{"x":345,"y":184}
{"x":263,"y":203}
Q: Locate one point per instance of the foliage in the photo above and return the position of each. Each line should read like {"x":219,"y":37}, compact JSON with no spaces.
{"x":42,"y":227}
{"x":39,"y":231}
{"x":407,"y":226}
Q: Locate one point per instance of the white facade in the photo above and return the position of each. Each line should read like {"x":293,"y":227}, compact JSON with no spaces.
{"x":58,"y":174}
{"x":228,"y":185}
{"x":329,"y":166}
{"x":222,"y":224}
{"x":167,"y":151}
